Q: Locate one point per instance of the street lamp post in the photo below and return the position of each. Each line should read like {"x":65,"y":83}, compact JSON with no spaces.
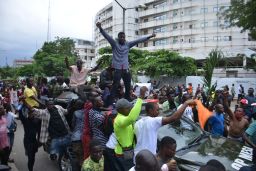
{"x":124,"y":9}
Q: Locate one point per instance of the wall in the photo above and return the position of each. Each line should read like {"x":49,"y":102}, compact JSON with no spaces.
{"x":246,"y":82}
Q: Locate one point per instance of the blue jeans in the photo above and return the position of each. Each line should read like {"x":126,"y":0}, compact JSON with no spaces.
{"x":126,"y":76}
{"x":58,"y":145}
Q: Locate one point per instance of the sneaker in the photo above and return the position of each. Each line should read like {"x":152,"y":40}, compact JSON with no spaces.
{"x":53,"y":157}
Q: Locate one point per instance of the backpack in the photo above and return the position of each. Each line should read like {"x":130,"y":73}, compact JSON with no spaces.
{"x":108,"y":127}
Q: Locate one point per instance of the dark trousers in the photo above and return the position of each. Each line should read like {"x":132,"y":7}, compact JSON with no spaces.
{"x":4,"y":155}
{"x":77,"y":157}
{"x":126,"y":76}
{"x":127,"y":164}
{"x":111,"y":163}
{"x":31,"y":148}
{"x":11,"y":141}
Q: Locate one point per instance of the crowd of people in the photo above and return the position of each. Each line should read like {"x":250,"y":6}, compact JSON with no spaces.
{"x":105,"y":131}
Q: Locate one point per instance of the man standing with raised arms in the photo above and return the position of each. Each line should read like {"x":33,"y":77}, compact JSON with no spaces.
{"x":120,"y":62}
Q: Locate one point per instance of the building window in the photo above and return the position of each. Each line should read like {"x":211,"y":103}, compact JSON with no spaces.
{"x":227,"y":38}
{"x":204,"y":10}
{"x":136,"y":32}
{"x":160,"y":42}
{"x":231,"y":73}
{"x":191,"y":40}
{"x":145,"y":44}
{"x":136,"y":20}
{"x":175,"y":13}
{"x":175,"y":26}
{"x":159,"y":29}
{"x":145,"y":32}
{"x":145,"y":20}
{"x":190,"y":26}
{"x":216,"y":9}
{"x":175,"y":39}
{"x":204,"y":39}
{"x":160,"y":17}
{"x":175,"y":1}
{"x":204,"y":24}
{"x":161,"y":4}
{"x":216,"y":38}
{"x":92,"y":51}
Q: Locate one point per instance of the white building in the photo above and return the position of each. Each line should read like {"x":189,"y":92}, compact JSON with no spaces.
{"x":86,"y":51}
{"x":111,"y":18}
{"x":22,"y":62}
{"x":191,"y":27}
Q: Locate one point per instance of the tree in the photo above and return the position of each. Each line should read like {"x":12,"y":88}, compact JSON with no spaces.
{"x":49,"y":60}
{"x":7,"y":72}
{"x":161,"y":62}
{"x":164,"y":62}
{"x":242,"y":13}
{"x":212,"y":61}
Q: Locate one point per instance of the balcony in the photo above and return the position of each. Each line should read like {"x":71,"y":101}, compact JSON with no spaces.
{"x":154,"y":23}
{"x":161,"y":35}
{"x":154,"y":11}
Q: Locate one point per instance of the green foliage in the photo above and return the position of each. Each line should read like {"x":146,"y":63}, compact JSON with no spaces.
{"x":106,"y":56}
{"x":161,"y":62}
{"x":213,"y":60}
{"x":26,"y":70}
{"x":168,"y":63}
{"x":242,"y":13}
{"x":49,"y":60}
{"x":7,"y":72}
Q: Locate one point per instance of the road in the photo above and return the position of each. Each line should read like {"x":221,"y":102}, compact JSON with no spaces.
{"x":42,"y":162}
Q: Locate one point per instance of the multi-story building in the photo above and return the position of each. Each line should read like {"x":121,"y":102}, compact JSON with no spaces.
{"x":86,"y":51}
{"x":111,"y":18}
{"x":191,"y":27}
{"x":22,"y":62}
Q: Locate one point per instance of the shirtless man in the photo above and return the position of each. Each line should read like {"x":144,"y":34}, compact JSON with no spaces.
{"x":237,"y":123}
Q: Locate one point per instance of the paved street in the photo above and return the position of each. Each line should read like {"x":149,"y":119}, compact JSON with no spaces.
{"x":42,"y":162}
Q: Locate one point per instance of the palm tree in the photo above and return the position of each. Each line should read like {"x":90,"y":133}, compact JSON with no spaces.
{"x":212,"y":61}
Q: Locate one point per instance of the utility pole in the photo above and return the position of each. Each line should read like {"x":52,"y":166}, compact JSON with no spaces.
{"x":49,"y":22}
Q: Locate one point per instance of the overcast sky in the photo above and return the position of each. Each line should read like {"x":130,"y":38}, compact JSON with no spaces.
{"x":23,"y":24}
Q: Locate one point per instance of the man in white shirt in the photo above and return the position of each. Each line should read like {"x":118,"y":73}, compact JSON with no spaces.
{"x":78,"y":73}
{"x":146,"y":128}
{"x":188,"y":113}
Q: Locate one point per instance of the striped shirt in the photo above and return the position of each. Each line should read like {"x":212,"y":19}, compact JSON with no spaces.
{"x":44,"y":115}
{"x":96,"y":122}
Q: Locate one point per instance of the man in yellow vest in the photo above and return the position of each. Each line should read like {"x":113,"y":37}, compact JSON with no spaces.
{"x":123,"y":128}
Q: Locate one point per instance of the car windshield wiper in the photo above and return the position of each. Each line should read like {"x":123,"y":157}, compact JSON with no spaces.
{"x":197,"y":139}
{"x":189,"y":146}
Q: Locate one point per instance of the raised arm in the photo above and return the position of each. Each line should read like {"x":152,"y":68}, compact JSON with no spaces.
{"x":106,"y":35}
{"x":96,"y":67}
{"x":134,"y":113}
{"x":177,"y":115}
{"x":140,"y":40}
{"x":226,"y":106}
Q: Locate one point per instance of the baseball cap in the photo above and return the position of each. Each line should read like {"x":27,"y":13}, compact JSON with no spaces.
{"x":244,"y":101}
{"x":123,"y":103}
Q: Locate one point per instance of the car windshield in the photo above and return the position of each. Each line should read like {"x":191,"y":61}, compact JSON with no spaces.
{"x":182,"y":136}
